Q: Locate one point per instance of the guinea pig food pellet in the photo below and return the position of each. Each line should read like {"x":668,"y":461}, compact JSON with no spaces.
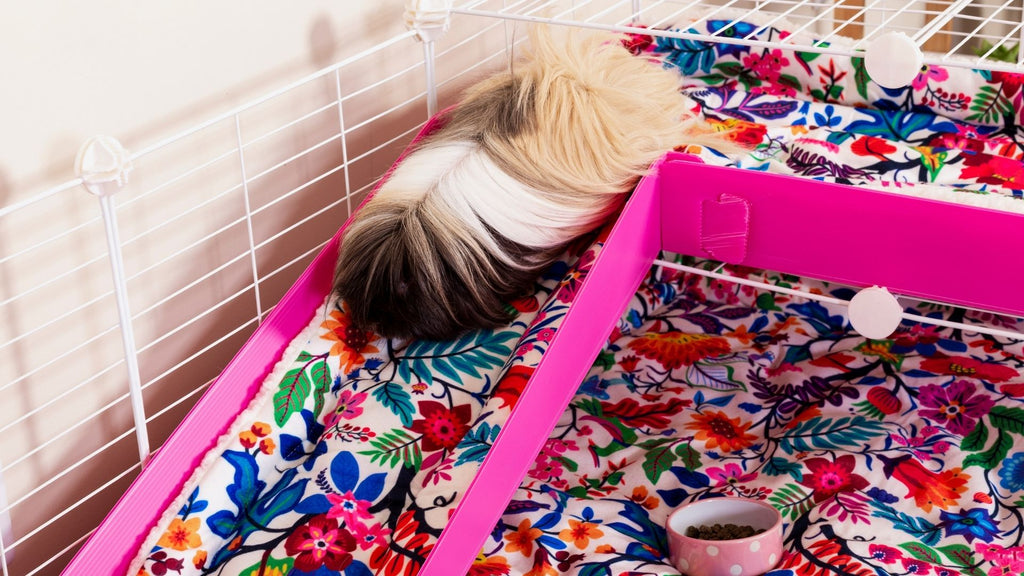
{"x":721,"y":531}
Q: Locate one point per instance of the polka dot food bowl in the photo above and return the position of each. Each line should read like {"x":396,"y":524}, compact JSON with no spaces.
{"x":750,"y":556}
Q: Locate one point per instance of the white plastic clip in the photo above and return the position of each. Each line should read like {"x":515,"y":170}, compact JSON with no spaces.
{"x":893,"y":60}
{"x":429,"y":18}
{"x":875,"y":313}
{"x":103,"y":165}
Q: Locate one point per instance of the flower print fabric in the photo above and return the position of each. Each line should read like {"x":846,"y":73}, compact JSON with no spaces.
{"x":893,"y":456}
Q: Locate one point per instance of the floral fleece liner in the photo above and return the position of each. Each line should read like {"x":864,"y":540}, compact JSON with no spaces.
{"x":896,"y":456}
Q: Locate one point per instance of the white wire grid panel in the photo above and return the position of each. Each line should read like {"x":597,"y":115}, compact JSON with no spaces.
{"x":209,"y":246}
{"x":965,"y":33}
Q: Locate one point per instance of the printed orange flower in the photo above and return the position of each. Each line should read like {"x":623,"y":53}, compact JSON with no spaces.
{"x":927,"y":488}
{"x":675,"y":349}
{"x":181,"y":535}
{"x":199,"y":560}
{"x":350,"y":343}
{"x":966,"y":366}
{"x":719,"y":431}
{"x":267,"y":446}
{"x":490,"y":566}
{"x":522,"y":539}
{"x":580,"y":533}
{"x":640,"y":496}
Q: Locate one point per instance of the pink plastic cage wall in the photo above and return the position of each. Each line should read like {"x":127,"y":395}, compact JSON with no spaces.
{"x":658,"y":216}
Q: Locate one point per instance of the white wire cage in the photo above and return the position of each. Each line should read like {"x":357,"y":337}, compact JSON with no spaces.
{"x":207,"y":247}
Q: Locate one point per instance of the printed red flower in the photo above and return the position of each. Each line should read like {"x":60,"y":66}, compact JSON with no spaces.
{"x":995,"y":170}
{"x":441,"y":427}
{"x":320,"y":542}
{"x":883,"y":400}
{"x":1009,"y":82}
{"x":955,"y":405}
{"x":676,"y":349}
{"x":721,"y":432}
{"x":637,"y":43}
{"x":511,"y":385}
{"x":965,"y":366}
{"x":928,"y":489}
{"x":872,"y":146}
{"x":828,"y":478}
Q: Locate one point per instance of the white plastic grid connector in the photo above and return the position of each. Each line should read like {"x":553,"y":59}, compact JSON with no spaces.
{"x":103,"y":165}
{"x":428,"y":18}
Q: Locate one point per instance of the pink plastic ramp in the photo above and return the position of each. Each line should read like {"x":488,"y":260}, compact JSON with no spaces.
{"x":620,"y":267}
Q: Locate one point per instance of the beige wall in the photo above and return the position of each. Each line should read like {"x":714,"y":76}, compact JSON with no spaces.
{"x":142,"y":71}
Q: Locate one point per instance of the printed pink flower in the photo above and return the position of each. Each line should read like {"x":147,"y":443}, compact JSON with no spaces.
{"x":828,"y":478}
{"x":766,"y":66}
{"x":320,"y":543}
{"x":731,"y":473}
{"x":927,"y":74}
{"x":546,"y":469}
{"x":348,"y":407}
{"x":913,"y":566}
{"x":368,"y":536}
{"x":954,"y":406}
{"x":884,"y":554}
{"x":348,"y":508}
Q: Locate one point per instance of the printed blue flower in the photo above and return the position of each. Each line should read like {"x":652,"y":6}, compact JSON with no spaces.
{"x":971,"y":524}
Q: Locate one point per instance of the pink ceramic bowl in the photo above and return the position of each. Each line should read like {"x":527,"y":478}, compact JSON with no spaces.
{"x":750,"y":556}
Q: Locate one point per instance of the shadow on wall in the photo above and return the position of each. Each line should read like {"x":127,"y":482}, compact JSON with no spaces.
{"x":195,"y":287}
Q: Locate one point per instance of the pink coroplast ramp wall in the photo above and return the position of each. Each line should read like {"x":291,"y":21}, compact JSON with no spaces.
{"x":111,"y":548}
{"x":615,"y":276}
{"x":912,"y":246}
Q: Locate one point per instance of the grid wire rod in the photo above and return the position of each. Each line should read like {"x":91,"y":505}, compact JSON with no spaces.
{"x":287,"y":125}
{"x":248,"y":223}
{"x":293,"y":158}
{"x":62,"y":394}
{"x":184,"y":249}
{"x":837,"y":301}
{"x":298,"y":189}
{"x":56,"y":278}
{"x":175,"y":179}
{"x":189,"y":286}
{"x":52,"y":321}
{"x":191,"y":210}
{"x":61,"y":553}
{"x":977,"y":30}
{"x":196,"y":318}
{"x":273,"y":94}
{"x":344,"y":143}
{"x":939,"y":21}
{"x":39,"y":197}
{"x":295,"y":260}
{"x":67,"y":510}
{"x":197,"y":354}
{"x":66,"y":431}
{"x":51,"y":239}
{"x":62,"y":473}
{"x":56,"y":359}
